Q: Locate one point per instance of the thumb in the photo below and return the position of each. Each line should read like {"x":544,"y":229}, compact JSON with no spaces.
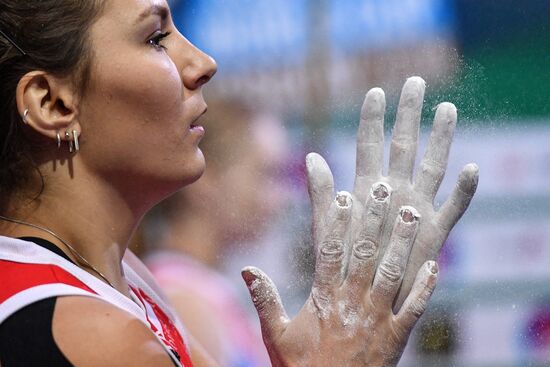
{"x":266,"y":299}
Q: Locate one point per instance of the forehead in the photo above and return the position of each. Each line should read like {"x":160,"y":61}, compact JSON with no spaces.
{"x":134,"y":11}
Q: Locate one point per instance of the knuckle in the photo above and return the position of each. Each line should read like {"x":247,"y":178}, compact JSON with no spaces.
{"x":321,"y":303}
{"x":375,"y":214}
{"x":418,"y":307}
{"x":260,"y":303}
{"x":365,"y":249}
{"x":332,"y":249}
{"x":391,"y":271}
{"x":432,"y":169}
{"x":263,"y":300}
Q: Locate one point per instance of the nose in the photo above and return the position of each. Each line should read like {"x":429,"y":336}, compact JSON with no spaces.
{"x":199,"y":70}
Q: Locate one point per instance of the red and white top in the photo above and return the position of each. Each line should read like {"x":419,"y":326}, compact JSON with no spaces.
{"x":30,"y":273}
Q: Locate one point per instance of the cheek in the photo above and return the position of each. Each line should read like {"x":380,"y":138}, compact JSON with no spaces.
{"x":135,"y":120}
{"x":146,"y":92}
{"x":126,"y":96}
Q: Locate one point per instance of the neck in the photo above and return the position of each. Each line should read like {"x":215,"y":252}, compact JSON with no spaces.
{"x":93,"y":218}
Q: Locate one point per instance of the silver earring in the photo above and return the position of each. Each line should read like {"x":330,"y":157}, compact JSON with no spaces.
{"x":68,"y":137}
{"x":25,"y":115}
{"x":75,"y":139}
{"x":58,"y":140}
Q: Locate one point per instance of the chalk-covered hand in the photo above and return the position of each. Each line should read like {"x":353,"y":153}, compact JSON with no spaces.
{"x":419,"y":192}
{"x":348,"y":319}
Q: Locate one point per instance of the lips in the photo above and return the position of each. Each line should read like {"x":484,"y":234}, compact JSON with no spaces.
{"x":194,"y":124}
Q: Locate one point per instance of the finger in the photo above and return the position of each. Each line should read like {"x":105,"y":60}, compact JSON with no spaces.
{"x":392,"y":267}
{"x":268,"y":304}
{"x":405,"y":134}
{"x":427,"y":245}
{"x":365,"y":247}
{"x":453,"y":208}
{"x":433,"y":165}
{"x":417,"y":301}
{"x":332,"y":252}
{"x":370,"y":142}
{"x":321,"y":192}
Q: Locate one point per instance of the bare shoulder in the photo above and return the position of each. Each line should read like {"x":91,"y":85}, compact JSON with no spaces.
{"x":91,"y":332}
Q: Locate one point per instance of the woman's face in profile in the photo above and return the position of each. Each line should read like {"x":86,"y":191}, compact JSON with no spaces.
{"x":139,"y":111}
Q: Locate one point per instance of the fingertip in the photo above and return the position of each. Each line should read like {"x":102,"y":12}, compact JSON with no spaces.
{"x":343,"y":199}
{"x":448,"y":110}
{"x":374,"y":104}
{"x":310,"y":160}
{"x":314,"y":161}
{"x":432,"y":267}
{"x":343,"y":203}
{"x":409,"y":215}
{"x":375,"y":94}
{"x":469,"y":178}
{"x":417,"y":81}
{"x":381,"y":191}
{"x":412,"y":97}
{"x":406,"y":224}
{"x":472,"y":169}
{"x":249,"y":275}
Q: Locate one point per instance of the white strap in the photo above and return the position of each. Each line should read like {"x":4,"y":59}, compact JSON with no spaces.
{"x":38,"y":293}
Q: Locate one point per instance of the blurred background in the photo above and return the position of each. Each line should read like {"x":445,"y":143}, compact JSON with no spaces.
{"x":304,"y":66}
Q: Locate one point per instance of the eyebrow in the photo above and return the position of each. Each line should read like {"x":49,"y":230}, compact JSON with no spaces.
{"x":159,"y":10}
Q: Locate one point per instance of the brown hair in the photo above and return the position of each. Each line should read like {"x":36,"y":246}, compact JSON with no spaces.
{"x":53,"y":36}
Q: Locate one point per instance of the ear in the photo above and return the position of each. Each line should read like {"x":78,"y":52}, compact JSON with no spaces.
{"x":51,"y":103}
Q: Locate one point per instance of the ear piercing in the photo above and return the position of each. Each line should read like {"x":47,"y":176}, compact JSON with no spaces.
{"x":25,"y":115}
{"x":75,"y":141}
{"x":74,"y":145}
{"x":68,"y":137}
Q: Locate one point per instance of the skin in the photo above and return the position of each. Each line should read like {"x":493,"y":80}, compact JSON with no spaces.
{"x":372,"y":281}
{"x":137,"y":148}
{"x":418,"y":191}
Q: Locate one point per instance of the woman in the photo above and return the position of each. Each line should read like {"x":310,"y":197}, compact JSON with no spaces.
{"x":99,"y":109}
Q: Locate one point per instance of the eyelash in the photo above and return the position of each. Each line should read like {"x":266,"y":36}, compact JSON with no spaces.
{"x":156,"y":40}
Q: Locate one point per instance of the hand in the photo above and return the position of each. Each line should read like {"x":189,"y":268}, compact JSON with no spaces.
{"x":348,"y":319}
{"x":436,"y":224}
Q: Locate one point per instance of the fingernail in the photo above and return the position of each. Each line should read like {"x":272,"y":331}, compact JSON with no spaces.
{"x":380,"y":191}
{"x":433,"y":267}
{"x":343,"y":199}
{"x":409,"y":214}
{"x":248,"y":276}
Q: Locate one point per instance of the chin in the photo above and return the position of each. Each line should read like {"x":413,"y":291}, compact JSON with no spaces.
{"x":181,"y":175}
{"x":194,"y":170}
